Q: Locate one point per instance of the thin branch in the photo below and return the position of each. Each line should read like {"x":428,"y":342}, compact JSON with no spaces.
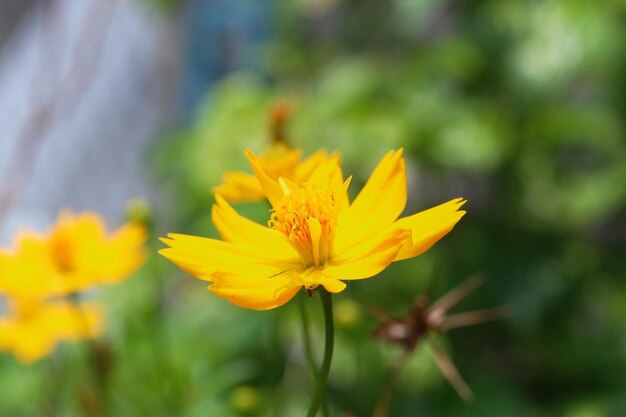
{"x":450,"y":372}
{"x":474,"y":317}
{"x":452,"y":298}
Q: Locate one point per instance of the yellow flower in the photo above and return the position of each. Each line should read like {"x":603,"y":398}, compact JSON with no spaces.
{"x":75,"y":254}
{"x":279,"y":161}
{"x":314,"y":237}
{"x":34,"y":328}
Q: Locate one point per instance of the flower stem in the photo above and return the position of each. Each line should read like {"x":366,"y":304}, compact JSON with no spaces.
{"x":308,"y":349}
{"x":327,"y":304}
{"x":306,"y":336}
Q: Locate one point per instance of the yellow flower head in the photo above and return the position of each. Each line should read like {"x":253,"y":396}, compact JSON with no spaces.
{"x":75,"y":254}
{"x":279,"y":161}
{"x":34,"y":328}
{"x":314,"y":237}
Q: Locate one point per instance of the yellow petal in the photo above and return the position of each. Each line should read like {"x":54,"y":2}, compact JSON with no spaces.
{"x":280,"y":161}
{"x":428,"y":226}
{"x":327,"y":172}
{"x":327,"y":175}
{"x":313,"y":277}
{"x":7,"y":333}
{"x":35,"y":336}
{"x":270,"y":187}
{"x":378,"y":205}
{"x":288,"y":186}
{"x":202,"y":263}
{"x":29,"y":272}
{"x":368,"y":258}
{"x":26,"y":345}
{"x":254,"y":292}
{"x":84,"y":229}
{"x":307,"y":166}
{"x":30,"y":244}
{"x":122,"y":254}
{"x":203,"y":257}
{"x":330,"y":283}
{"x":240,"y":187}
{"x":333,"y":285}
{"x":67,"y":321}
{"x":237,"y":229}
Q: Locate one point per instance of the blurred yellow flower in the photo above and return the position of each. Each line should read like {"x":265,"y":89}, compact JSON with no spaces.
{"x":278,"y":161}
{"x":74,"y":255}
{"x":315,"y":236}
{"x":34,"y":328}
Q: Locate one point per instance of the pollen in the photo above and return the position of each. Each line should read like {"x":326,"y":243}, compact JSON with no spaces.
{"x":307,"y":216}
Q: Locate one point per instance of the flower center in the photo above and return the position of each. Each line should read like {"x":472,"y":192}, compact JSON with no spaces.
{"x":62,"y":254}
{"x":307,"y":216}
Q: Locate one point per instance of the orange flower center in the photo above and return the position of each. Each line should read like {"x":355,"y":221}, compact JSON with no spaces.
{"x":294,"y":216}
{"x":62,"y":253}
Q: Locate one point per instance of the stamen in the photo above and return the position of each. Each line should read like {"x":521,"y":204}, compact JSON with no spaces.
{"x":307,"y":216}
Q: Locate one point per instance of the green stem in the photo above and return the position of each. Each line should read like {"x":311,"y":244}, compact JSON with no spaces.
{"x":327,"y":304}
{"x":306,"y":335}
{"x":308,"y":349}
{"x":53,"y":387}
{"x":96,"y":356}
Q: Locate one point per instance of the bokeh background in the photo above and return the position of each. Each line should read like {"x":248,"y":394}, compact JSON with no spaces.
{"x":517,"y":105}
